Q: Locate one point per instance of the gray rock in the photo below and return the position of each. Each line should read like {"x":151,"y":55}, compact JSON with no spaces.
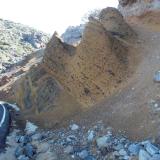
{"x":83,"y":154}
{"x":90,"y":136}
{"x":69,"y":150}
{"x":122,"y":152}
{"x":155,"y":157}
{"x":74,"y":127}
{"x":119,"y":147}
{"x":22,"y":157}
{"x":24,"y":139}
{"x":19,"y":151}
{"x":42,"y":147}
{"x":151,"y":149}
{"x":102,"y":141}
{"x":134,"y":149}
{"x":89,"y":158}
{"x":157,"y":76}
{"x":29,"y":150}
{"x":143,"y":155}
{"x":36,"y":137}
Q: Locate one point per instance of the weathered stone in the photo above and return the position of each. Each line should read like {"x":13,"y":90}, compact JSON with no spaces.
{"x":143,"y":155}
{"x":90,"y":135}
{"x":102,"y":141}
{"x":29,"y":150}
{"x":69,"y":150}
{"x":23,"y":157}
{"x":83,"y":154}
{"x":151,"y":149}
{"x":74,"y":127}
{"x":155,"y":157}
{"x":134,"y":149}
{"x":19,"y":151}
{"x":157,"y":77}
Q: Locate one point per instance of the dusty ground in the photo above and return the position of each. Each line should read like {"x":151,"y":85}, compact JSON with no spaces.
{"x":129,"y":111}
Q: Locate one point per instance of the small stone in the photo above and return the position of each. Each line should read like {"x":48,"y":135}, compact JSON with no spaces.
{"x":24,"y":139}
{"x":47,"y":156}
{"x":19,"y":151}
{"x":151,"y":149}
{"x":102,"y":141}
{"x":89,"y":158}
{"x":157,"y":76}
{"x":69,"y":150}
{"x":126,"y":157}
{"x":118,"y":147}
{"x":29,"y":150}
{"x":30,"y":128}
{"x":23,"y":157}
{"x":122,"y":152}
{"x":143,"y":155}
{"x":83,"y":154}
{"x":90,"y":136}
{"x":74,"y":127}
{"x":36,"y":137}
{"x":42,"y":147}
{"x":155,"y":157}
{"x":134,"y":149}
{"x":71,"y":138}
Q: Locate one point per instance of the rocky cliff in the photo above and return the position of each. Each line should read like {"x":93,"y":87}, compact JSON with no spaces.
{"x":85,"y":74}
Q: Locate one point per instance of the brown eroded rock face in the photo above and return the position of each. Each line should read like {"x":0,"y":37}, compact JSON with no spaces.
{"x":70,"y":78}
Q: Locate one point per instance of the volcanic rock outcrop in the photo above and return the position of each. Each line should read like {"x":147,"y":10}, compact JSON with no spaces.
{"x":70,"y":78}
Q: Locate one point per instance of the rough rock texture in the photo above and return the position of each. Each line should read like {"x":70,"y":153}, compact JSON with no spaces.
{"x":85,"y":74}
{"x":112,"y":20}
{"x":138,"y":7}
{"x":17,"y":41}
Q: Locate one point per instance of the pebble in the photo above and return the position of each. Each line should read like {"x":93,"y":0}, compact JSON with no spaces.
{"x":23,"y":157}
{"x":151,"y":149}
{"x":29,"y":150}
{"x":155,"y":157}
{"x":19,"y":151}
{"x":74,"y":127}
{"x":90,"y":136}
{"x":143,"y":155}
{"x":69,"y":150}
{"x":157,"y":76}
{"x":134,"y":149}
{"x":122,"y":152}
{"x":102,"y":141}
{"x":83,"y":154}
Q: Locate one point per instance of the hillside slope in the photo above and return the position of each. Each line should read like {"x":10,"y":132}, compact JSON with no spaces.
{"x":17,"y":41}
